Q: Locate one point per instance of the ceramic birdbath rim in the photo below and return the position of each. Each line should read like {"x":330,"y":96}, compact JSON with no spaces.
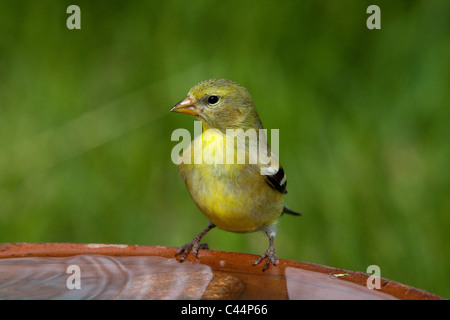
{"x":230,"y":262}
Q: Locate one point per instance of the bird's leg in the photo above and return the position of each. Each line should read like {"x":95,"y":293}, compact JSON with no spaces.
{"x":270,"y":252}
{"x":195,"y":244}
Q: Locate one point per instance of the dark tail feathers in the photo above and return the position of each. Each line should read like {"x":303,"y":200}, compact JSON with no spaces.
{"x":289,"y":211}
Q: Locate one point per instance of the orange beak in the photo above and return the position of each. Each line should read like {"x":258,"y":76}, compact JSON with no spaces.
{"x":187,"y":106}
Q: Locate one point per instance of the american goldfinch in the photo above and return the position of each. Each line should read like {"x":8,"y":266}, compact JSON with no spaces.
{"x":238,"y":197}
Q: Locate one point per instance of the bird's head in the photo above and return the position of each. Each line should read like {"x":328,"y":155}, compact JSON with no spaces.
{"x":220,"y":104}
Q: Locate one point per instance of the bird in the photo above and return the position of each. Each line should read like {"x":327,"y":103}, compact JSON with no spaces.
{"x":241,"y":196}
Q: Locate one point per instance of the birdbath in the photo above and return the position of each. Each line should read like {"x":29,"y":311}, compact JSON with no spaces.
{"x":109,"y":271}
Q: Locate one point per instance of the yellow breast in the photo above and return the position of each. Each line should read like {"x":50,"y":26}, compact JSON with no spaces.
{"x":235,"y":197}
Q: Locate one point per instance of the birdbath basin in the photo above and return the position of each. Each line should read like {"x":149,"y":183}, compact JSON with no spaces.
{"x":106,"y":271}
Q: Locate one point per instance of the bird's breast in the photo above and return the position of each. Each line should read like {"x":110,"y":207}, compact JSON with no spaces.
{"x":234,"y":197}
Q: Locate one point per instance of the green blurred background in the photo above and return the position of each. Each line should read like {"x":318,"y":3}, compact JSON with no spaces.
{"x":363,"y":116}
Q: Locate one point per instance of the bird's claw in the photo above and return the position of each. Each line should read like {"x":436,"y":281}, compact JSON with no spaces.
{"x":271,"y":257}
{"x":193,"y":246}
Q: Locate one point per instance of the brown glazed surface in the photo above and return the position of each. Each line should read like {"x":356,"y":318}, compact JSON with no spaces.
{"x":151,"y":272}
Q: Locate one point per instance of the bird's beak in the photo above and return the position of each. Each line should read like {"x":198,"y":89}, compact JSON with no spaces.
{"x":187,"y":106}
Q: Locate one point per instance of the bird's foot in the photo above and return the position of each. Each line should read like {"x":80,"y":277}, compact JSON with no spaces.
{"x":271,"y":257}
{"x":193,"y":246}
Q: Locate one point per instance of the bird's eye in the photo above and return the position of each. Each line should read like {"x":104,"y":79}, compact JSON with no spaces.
{"x":213,"y":99}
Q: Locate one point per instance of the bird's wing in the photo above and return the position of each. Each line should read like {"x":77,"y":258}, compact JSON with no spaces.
{"x":274,"y":174}
{"x":272,"y":171}
{"x":277,"y":180}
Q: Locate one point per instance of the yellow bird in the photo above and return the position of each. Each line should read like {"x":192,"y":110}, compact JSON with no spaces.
{"x":241,"y":196}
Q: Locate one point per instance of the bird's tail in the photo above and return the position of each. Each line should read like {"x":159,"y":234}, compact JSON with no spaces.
{"x":289,"y":211}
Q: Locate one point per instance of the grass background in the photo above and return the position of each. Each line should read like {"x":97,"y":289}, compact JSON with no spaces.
{"x":363,"y":117}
